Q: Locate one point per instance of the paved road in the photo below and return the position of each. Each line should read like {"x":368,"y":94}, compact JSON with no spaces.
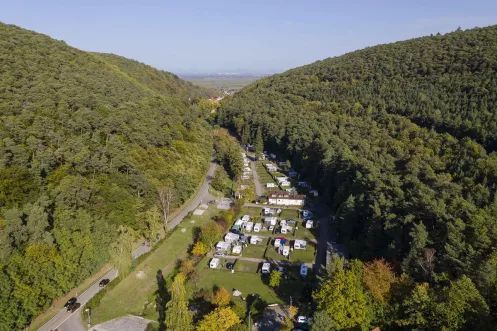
{"x":258,"y":186}
{"x":65,"y":321}
{"x":202,"y":196}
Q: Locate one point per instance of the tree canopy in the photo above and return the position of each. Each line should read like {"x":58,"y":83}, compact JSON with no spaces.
{"x":85,"y":141}
{"x":400,"y":139}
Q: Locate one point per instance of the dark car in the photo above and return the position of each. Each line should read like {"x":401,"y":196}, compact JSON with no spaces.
{"x":229,"y":265}
{"x":70,"y":302}
{"x":72,"y":308}
{"x":104,"y":282}
{"x":235,"y":231}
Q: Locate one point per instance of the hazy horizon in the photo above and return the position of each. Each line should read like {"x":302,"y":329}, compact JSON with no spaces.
{"x":195,"y":37}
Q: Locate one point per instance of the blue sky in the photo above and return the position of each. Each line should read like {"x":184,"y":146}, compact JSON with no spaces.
{"x":259,"y":36}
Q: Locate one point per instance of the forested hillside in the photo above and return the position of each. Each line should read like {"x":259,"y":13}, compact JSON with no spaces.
{"x":86,"y":140}
{"x":391,"y":137}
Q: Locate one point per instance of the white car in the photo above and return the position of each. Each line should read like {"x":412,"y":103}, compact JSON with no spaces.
{"x":301,"y":319}
{"x":271,"y":228}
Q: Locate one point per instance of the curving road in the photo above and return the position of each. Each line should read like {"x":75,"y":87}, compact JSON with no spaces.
{"x":65,"y":321}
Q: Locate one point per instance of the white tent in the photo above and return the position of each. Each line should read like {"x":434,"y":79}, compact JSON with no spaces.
{"x":299,"y":244}
{"x":223,"y":246}
{"x":214,"y":263}
{"x":236,"y":293}
{"x":230,"y":237}
{"x":237,"y":249}
{"x":254,"y":240}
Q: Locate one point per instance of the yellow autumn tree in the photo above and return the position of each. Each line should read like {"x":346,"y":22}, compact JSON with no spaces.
{"x":219,"y":319}
{"x":221,"y":298}
{"x":378,"y":278}
{"x":199,"y":249}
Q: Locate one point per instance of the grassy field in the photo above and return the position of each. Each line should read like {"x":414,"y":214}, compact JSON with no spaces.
{"x":246,"y":282}
{"x":135,"y":294}
{"x":264,"y":177}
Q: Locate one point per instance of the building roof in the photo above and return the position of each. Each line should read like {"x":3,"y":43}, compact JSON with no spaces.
{"x":285,"y":195}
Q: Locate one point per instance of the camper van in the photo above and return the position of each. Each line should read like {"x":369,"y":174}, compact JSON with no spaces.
{"x":303,"y":270}
{"x":284,"y":250}
{"x":214,"y":263}
{"x":257,"y":227}
{"x":249,"y":226}
{"x":266,"y":268}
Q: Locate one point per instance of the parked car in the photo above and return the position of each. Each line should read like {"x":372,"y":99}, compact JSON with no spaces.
{"x":72,"y":308}
{"x":271,"y":228}
{"x":70,"y":302}
{"x":104,"y":282}
{"x":301,"y":319}
{"x":219,"y":254}
{"x":229,"y":265}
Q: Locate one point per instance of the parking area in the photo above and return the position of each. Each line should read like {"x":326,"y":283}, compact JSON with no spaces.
{"x":225,"y":204}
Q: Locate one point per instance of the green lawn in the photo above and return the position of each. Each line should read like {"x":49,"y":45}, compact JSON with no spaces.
{"x":256,"y":251}
{"x":253,"y":212}
{"x":290,"y":213}
{"x":135,"y":294}
{"x":246,"y":282}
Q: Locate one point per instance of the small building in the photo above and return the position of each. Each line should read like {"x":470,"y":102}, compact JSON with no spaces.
{"x":285,"y":183}
{"x":271,"y":220}
{"x":281,"y":179}
{"x":237,"y":249}
{"x":271,"y":185}
{"x":303,"y":270}
{"x":245,"y":177}
{"x":262,"y":156}
{"x":249,"y":226}
{"x":266,"y":268}
{"x":231,"y":237}
{"x":304,"y":184}
{"x":285,"y":198}
{"x":299,"y":244}
{"x":247,"y":169}
{"x":223,"y":246}
{"x":308,"y":224}
{"x":257,"y":227}
{"x":282,"y":163}
{"x":254,"y":240}
{"x":284,"y":250}
{"x":214,"y":263}
{"x":246,"y":218}
{"x":314,"y":193}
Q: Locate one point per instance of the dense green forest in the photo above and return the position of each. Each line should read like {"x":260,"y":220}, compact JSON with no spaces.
{"x":86,"y":141}
{"x":399,"y":140}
